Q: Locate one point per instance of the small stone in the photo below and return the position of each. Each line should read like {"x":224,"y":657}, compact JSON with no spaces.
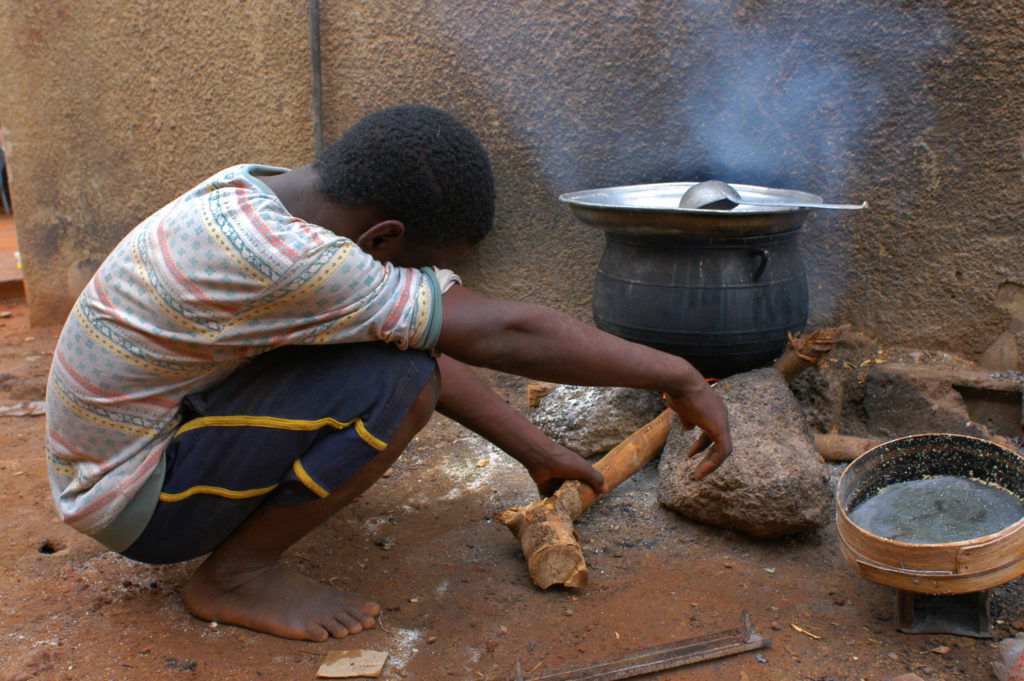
{"x":940,"y":650}
{"x":431,"y":639}
{"x":414,"y":600}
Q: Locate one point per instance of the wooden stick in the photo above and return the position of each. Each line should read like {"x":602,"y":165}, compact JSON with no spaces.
{"x":544,"y":528}
{"x":835,"y":447}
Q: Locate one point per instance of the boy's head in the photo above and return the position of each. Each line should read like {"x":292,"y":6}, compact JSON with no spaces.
{"x":418,"y":165}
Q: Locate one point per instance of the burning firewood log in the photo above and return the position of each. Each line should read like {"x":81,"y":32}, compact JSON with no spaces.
{"x":544,"y":528}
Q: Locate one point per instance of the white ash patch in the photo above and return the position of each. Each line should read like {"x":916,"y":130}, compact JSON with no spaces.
{"x":373,"y":525}
{"x":477,"y":464}
{"x":404,"y":647}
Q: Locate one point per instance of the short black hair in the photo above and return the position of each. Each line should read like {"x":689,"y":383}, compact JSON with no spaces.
{"x":419,"y":165}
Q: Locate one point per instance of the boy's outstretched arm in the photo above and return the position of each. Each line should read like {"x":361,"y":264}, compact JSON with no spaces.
{"x":542,"y":343}
{"x":466,"y":398}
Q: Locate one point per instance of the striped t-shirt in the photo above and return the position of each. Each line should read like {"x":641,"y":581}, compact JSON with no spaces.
{"x":216,"y":277}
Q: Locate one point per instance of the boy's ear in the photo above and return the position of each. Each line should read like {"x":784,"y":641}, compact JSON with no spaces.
{"x":383,"y":240}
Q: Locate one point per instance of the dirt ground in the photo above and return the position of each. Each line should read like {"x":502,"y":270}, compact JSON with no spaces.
{"x":457,"y":600}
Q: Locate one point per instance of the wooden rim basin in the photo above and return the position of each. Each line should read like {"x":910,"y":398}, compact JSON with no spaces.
{"x":937,"y":568}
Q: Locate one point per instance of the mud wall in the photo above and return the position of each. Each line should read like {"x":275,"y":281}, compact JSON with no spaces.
{"x":916,"y":107}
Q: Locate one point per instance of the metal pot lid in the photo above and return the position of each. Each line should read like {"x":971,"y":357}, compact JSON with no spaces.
{"x":654,"y":209}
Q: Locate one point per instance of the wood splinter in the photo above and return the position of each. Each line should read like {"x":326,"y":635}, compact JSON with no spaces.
{"x":544,"y":528}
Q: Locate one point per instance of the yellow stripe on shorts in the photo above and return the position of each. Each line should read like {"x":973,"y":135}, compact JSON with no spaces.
{"x":216,"y":491}
{"x":283,"y":424}
{"x":308,"y":481}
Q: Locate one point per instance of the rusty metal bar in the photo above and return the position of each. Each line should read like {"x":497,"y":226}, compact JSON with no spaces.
{"x":668,"y":656}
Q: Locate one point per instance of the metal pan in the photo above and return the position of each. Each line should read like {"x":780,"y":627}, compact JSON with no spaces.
{"x":654,"y":209}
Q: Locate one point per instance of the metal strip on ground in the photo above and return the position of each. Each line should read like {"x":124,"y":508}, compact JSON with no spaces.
{"x":668,"y":656}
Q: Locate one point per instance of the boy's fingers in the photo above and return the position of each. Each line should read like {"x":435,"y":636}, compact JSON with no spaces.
{"x":699,"y":445}
{"x":713,"y":460}
{"x":596,"y":480}
{"x":585,"y":473}
{"x":548,"y":487}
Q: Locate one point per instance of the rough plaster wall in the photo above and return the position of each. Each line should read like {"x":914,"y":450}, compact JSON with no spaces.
{"x":916,"y":107}
{"x":113,"y":109}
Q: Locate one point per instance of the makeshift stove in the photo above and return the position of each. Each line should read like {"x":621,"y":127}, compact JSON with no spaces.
{"x":940,"y":518}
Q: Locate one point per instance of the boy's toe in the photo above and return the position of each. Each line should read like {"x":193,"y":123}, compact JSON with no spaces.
{"x":349,"y":623}
{"x":336,"y":628}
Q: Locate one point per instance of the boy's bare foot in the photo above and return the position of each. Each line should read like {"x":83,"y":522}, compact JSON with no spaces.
{"x":277,"y":600}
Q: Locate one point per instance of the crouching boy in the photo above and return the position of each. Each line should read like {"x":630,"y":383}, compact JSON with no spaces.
{"x":256,"y":353}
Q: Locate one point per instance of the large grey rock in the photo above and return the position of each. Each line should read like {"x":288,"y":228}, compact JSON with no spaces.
{"x":591,"y":420}
{"x":773,"y":484}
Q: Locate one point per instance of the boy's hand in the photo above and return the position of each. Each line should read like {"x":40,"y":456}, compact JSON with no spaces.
{"x":471,"y":402}
{"x":704,"y":408}
{"x":563,"y":464}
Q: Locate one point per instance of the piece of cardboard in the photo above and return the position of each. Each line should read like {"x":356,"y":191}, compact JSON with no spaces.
{"x":345,"y":664}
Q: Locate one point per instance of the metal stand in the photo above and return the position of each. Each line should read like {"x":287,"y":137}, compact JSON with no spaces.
{"x":958,"y":614}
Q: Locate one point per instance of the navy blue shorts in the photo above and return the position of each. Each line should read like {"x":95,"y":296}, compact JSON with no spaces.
{"x":290,"y":427}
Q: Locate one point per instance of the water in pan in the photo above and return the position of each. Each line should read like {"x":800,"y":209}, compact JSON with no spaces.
{"x":938,"y":509}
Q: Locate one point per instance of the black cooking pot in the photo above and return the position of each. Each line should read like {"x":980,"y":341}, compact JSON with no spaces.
{"x":721,"y":288}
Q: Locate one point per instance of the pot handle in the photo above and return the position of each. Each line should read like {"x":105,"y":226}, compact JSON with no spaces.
{"x":764,"y":254}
